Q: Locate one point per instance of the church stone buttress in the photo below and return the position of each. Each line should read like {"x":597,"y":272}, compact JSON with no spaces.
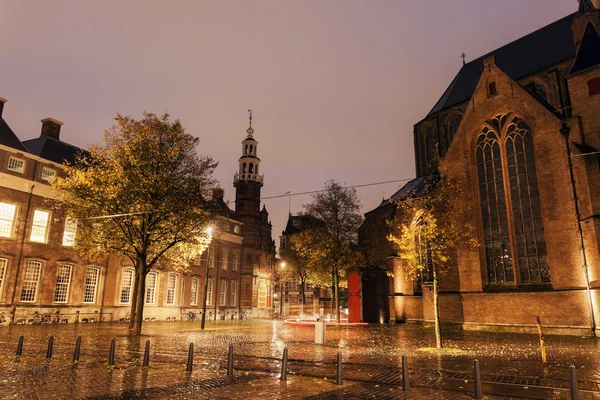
{"x":258,"y":249}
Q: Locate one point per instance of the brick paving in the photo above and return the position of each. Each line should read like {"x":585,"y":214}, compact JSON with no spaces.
{"x":371,"y":363}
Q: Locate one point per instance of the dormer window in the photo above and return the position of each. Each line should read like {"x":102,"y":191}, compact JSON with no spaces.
{"x":492,"y":90}
{"x":48,"y":173}
{"x":594,"y":86}
{"x":16,"y":164}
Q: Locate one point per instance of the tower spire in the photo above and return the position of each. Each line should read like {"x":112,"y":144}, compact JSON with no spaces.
{"x":250,"y":131}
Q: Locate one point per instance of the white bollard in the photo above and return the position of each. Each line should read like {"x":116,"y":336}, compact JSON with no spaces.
{"x":320,"y":332}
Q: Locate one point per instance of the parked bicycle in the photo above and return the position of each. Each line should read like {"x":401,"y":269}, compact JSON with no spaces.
{"x":192,"y":316}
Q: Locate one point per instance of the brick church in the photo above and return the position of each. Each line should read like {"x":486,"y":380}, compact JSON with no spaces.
{"x":521,"y":127}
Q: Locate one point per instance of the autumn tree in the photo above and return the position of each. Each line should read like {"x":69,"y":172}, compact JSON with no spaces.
{"x":430,"y":229}
{"x":141,"y":194}
{"x":330,"y":248}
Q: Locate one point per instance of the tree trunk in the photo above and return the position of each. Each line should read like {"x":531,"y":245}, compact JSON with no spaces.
{"x":337,"y":296}
{"x":303,"y":297}
{"x":436,"y":310}
{"x":141,"y":288}
{"x":136,"y":282}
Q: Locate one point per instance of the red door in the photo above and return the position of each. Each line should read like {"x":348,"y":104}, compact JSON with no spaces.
{"x":354,"y":298}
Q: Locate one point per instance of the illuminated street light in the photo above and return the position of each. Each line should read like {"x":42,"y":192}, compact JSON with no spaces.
{"x":282,"y":266}
{"x":209,"y":231}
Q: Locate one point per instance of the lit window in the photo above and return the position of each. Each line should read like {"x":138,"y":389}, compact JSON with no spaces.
{"x":126,"y":285}
{"x":31,"y":278}
{"x":223,"y":294}
{"x":69,"y":232}
{"x":91,"y":285}
{"x":209,"y":292}
{"x":7,"y":219}
{"x":194,"y":294}
{"x":171,"y":286}
{"x":48,"y":173}
{"x":16,"y":164}
{"x":151,"y":279}
{"x":39,"y":227}
{"x":235,"y":255}
{"x":211,"y":259}
{"x":224,"y":259}
{"x":233,"y":293}
{"x":63,"y":280}
{"x":3,"y":266}
{"x":236,"y":229}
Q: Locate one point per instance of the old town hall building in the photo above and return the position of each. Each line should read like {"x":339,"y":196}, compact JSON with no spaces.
{"x":42,"y":279}
{"x":520,"y":127}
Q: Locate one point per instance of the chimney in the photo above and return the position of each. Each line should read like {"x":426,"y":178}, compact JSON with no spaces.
{"x":2,"y":101}
{"x":218,"y":194}
{"x":51,"y":128}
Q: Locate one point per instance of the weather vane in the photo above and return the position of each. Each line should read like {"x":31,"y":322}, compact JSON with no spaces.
{"x":250,"y":112}
{"x":463,"y":56}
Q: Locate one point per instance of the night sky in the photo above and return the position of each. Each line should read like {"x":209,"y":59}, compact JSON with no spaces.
{"x":336,"y":86}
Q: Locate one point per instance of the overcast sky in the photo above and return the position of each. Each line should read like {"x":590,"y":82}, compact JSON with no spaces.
{"x":335,"y":85}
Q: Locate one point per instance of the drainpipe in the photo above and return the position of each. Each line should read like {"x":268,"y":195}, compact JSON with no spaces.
{"x":21,"y":249}
{"x":565,"y":130}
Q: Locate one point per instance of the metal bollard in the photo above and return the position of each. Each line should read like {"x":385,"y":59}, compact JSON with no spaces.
{"x":477,"y":381}
{"x":111,"y":353}
{"x":146,"y":361}
{"x":284,"y":360}
{"x":50,"y":345}
{"x":339,"y":379}
{"x":20,"y":346}
{"x":230,"y":361}
{"x":190,"y":362}
{"x":573,"y":389}
{"x":405,"y":376}
{"x":77,"y":349}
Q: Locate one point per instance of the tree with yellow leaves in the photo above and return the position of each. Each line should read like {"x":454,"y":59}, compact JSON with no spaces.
{"x":429,"y":230}
{"x":141,"y":194}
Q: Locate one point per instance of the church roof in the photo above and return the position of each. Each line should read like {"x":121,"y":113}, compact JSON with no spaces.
{"x":416,"y":188}
{"x":588,"y":55}
{"x":541,"y":49}
{"x":52,"y":149}
{"x":585,"y":6}
{"x":8,"y":137}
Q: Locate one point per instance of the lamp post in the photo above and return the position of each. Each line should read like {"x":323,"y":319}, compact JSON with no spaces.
{"x":281,"y":267}
{"x":209,"y":231}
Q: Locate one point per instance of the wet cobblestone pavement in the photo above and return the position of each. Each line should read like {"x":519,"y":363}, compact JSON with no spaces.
{"x":371,"y":358}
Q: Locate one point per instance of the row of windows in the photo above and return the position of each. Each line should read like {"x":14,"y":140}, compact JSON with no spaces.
{"x":18,"y":165}
{"x":229,"y":259}
{"x":31,"y":281}
{"x":250,"y":168}
{"x":40,"y":225}
{"x":128,"y":278}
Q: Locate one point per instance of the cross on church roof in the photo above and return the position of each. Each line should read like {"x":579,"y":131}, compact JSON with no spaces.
{"x":463,"y":56}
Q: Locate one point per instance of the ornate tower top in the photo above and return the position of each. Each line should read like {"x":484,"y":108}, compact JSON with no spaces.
{"x":248,"y":162}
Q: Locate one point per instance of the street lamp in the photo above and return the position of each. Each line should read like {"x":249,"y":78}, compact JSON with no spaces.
{"x":209,"y":231}
{"x":281,"y":266}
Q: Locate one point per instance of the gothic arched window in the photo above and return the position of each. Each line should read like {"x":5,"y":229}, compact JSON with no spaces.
{"x":498,"y":254}
{"x":539,"y":90}
{"x":453,"y":127}
{"x":527,"y":231}
{"x":526,"y":207}
{"x":430,"y":148}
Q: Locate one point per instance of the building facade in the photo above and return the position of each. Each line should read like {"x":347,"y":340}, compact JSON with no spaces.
{"x":42,"y":279}
{"x":520,"y":127}
{"x":258,"y":247}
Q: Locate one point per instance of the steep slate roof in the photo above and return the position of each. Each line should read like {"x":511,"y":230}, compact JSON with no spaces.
{"x":303,"y":221}
{"x":415,"y":188}
{"x":588,"y":55}
{"x":541,"y":49}
{"x":8,"y":137}
{"x":586,"y":6}
{"x":52,"y":149}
